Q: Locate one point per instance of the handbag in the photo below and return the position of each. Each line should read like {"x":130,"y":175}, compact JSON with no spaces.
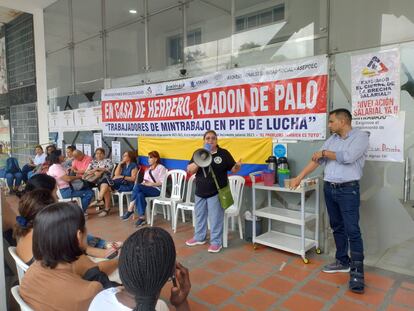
{"x":92,"y":177}
{"x":77,"y":184}
{"x":225,"y":197}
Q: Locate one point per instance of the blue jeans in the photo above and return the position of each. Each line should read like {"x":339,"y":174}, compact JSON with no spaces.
{"x":342,"y":204}
{"x":86,"y":195}
{"x":26,"y":170}
{"x":31,"y":174}
{"x":211,"y":208}
{"x":14,"y":178}
{"x":121,"y":186}
{"x":94,"y":241}
{"x":139,"y":193}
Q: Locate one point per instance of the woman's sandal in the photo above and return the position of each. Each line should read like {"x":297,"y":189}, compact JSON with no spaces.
{"x":97,"y":203}
{"x":104,"y":212}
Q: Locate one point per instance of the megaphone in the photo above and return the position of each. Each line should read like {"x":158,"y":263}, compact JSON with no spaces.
{"x":202,"y":157}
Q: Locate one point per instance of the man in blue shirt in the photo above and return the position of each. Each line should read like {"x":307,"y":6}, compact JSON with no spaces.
{"x":343,"y":155}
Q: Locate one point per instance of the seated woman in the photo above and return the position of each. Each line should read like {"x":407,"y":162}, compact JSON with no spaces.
{"x":150,"y":187}
{"x":146,"y":263}
{"x":13,"y":174}
{"x":100,"y":170}
{"x":52,"y":282}
{"x":123,"y":180}
{"x":50,"y":149}
{"x":67,"y":164}
{"x":38,"y":160}
{"x":57,"y":171}
{"x":28,"y":209}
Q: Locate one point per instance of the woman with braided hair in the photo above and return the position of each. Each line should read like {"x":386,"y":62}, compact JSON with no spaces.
{"x":146,"y":263}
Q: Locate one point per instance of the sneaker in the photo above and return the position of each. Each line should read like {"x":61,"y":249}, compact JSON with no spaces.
{"x":126,"y":216}
{"x":336,"y":266}
{"x":194,"y":242}
{"x":140,"y":222}
{"x":214,"y":248}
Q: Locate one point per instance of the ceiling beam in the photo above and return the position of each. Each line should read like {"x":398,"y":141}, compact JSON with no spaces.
{"x":28,"y":6}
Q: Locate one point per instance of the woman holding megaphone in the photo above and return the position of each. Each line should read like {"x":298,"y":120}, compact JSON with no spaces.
{"x":204,"y":163}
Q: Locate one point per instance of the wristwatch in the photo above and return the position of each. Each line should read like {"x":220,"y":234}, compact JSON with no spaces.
{"x":323,"y":153}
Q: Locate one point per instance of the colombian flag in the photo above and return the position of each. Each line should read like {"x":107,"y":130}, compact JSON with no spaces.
{"x":176,"y":152}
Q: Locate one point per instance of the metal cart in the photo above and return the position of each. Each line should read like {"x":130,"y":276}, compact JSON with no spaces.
{"x":281,"y":240}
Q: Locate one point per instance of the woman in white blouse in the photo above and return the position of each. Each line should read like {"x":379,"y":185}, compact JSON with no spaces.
{"x":150,"y":187}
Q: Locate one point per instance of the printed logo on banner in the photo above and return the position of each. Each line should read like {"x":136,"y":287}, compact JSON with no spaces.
{"x":196,"y":83}
{"x":374,"y":68}
{"x":254,"y":73}
{"x":149,"y":91}
{"x":233,"y":76}
{"x":174,"y":87}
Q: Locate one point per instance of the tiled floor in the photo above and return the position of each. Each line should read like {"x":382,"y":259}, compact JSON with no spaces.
{"x":241,"y":278}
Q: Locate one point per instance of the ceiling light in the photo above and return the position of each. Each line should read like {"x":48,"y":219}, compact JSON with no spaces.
{"x":133,"y":11}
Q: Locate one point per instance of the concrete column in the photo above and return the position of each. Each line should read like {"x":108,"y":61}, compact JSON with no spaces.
{"x":41,"y":78}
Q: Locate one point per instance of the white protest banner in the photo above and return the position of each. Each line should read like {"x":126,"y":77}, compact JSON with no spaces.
{"x":97,"y":140}
{"x":87,"y":149}
{"x":116,"y":151}
{"x":376,"y":83}
{"x":386,"y":136}
{"x":284,"y":101}
{"x":79,"y":147}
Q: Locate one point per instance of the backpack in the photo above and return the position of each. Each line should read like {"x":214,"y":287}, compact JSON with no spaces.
{"x":12,"y":166}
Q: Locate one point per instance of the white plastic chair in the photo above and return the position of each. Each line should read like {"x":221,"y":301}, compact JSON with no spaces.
{"x":3,"y":183}
{"x":236,"y":187}
{"x":20,"y":264}
{"x":61,"y":199}
{"x":188,"y":204}
{"x":23,"y":305}
{"x":124,"y":194}
{"x":177,"y":192}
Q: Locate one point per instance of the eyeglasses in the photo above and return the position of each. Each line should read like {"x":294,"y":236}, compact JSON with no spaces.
{"x":210,"y":138}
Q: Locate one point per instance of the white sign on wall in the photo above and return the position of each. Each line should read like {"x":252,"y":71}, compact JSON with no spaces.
{"x":60,"y":140}
{"x":54,"y":119}
{"x":376,"y":83}
{"x":79,"y":147}
{"x":87,"y":149}
{"x":83,"y":119}
{"x":97,"y":140}
{"x":66,"y":121}
{"x":386,"y":136}
{"x":88,"y":118}
{"x":116,"y":151}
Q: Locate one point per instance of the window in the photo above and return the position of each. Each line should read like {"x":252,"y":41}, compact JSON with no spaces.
{"x":175,"y":45}
{"x":260,"y":18}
